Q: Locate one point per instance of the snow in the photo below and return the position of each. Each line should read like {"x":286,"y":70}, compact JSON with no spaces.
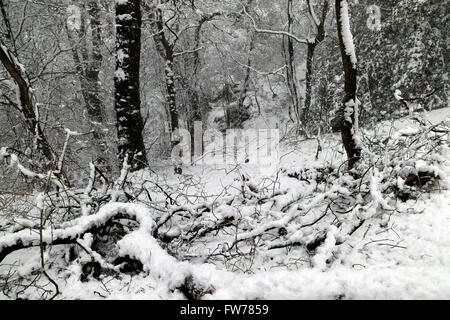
{"x":3,"y":153}
{"x":347,"y":36}
{"x":74,"y":19}
{"x":391,"y":256}
{"x":326,"y":250}
{"x":284,"y":219}
{"x":66,"y":142}
{"x":40,"y":201}
{"x":375,"y":192}
{"x":124,"y":17}
{"x":91,"y":179}
{"x":121,"y":55}
{"x":369,"y":272}
{"x":120,"y":74}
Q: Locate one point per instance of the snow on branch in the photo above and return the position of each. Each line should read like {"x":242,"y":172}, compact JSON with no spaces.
{"x":276,"y":32}
{"x":347,"y":36}
{"x":139,"y":244}
{"x":70,"y":231}
{"x":61,"y":157}
{"x":177,"y":54}
{"x":27,"y":172}
{"x":262,"y":73}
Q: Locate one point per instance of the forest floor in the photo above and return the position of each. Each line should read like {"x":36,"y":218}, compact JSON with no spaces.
{"x":404,"y":254}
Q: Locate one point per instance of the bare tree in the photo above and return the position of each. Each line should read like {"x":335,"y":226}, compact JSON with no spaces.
{"x":191,"y":85}
{"x":26,"y":105}
{"x":291,"y":70}
{"x":25,"y":102}
{"x":349,"y":104}
{"x":289,"y":38}
{"x":165,"y":48}
{"x":311,"y":47}
{"x":88,"y":64}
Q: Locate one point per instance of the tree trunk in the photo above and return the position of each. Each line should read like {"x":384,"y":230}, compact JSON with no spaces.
{"x":243,"y":110}
{"x":26,"y":107}
{"x":291,"y":73}
{"x":127,"y":97}
{"x":88,"y":68}
{"x":26,"y":103}
{"x":171,"y":93}
{"x":192,"y":86}
{"x":350,"y":76}
{"x":320,"y":36}
{"x":308,"y":82}
{"x":165,"y":49}
{"x":126,"y":81}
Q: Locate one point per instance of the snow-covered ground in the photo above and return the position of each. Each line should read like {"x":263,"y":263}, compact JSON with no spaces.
{"x":404,"y":255}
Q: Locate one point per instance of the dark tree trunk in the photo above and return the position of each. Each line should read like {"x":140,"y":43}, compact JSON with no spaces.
{"x":193,"y":89}
{"x":350,"y":78}
{"x":171,"y":93}
{"x":165,"y":50}
{"x":195,"y":101}
{"x":244,"y":113}
{"x":291,"y":73}
{"x":26,"y":103}
{"x":126,"y":81}
{"x":320,"y":36}
{"x":27,"y":109}
{"x":308,"y":82}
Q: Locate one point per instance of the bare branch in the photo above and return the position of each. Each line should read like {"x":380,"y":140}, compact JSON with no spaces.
{"x":276,"y":32}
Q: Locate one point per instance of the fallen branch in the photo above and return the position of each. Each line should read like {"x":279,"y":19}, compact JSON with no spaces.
{"x":71,"y":231}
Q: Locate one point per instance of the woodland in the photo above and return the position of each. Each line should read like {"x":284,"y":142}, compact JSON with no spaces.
{"x":135,"y":138}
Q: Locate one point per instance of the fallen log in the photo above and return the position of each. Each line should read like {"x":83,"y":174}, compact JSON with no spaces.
{"x":71,"y":231}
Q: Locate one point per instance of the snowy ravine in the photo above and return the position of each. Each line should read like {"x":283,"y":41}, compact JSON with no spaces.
{"x":408,"y":259}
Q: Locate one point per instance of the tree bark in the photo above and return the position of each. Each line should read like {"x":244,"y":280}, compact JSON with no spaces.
{"x":243,"y":110}
{"x":350,"y":82}
{"x":320,"y":36}
{"x":165,"y":50}
{"x":9,"y":61}
{"x":127,"y":86}
{"x":26,"y":105}
{"x":291,"y":72}
{"x":88,"y":69}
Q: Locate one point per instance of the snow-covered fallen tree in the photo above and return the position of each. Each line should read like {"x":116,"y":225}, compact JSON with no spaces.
{"x":151,"y":228}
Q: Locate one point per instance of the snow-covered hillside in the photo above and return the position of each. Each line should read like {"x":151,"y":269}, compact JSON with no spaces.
{"x":310,"y":231}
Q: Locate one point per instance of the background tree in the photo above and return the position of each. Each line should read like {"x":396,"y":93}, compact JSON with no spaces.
{"x":21,"y":94}
{"x":403,"y":45}
{"x":319,"y":24}
{"x":25,"y":104}
{"x":165,"y":48}
{"x":88,"y":58}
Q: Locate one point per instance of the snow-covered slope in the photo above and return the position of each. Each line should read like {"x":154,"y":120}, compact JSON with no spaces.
{"x":405,"y":255}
